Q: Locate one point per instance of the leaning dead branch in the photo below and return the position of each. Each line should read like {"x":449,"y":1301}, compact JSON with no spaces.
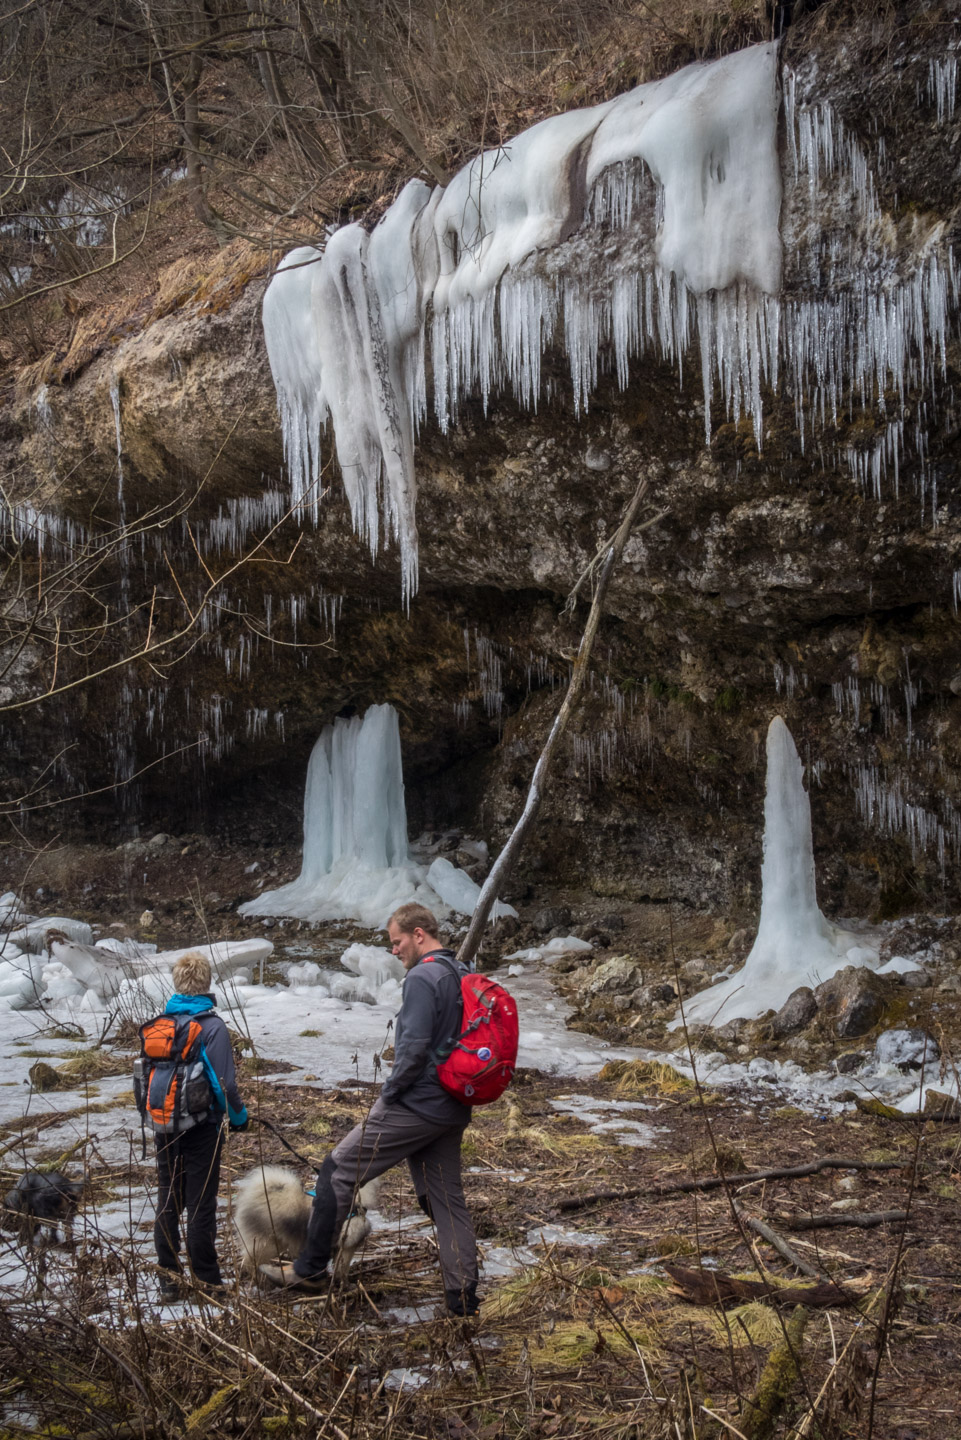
{"x":507,"y":858}
{"x":779,"y":1243}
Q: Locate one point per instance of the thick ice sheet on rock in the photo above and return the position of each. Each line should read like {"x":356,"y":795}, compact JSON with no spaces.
{"x":459,"y":891}
{"x":795,"y":944}
{"x":108,"y":974}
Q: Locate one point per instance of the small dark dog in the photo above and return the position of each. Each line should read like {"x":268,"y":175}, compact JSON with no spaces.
{"x":41,"y":1203}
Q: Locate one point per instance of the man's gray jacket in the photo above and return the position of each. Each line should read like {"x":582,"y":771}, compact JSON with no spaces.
{"x":430,"y":1017}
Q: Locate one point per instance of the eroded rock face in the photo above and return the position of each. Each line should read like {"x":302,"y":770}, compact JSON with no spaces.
{"x":770,"y":581}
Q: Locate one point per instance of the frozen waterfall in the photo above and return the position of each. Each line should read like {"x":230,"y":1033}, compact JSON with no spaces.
{"x":795,"y":944}
{"x":356,"y":864}
{"x":346,"y":329}
{"x":657,"y":223}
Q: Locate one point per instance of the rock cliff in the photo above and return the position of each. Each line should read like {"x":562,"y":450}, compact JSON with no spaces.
{"x":816,"y":577}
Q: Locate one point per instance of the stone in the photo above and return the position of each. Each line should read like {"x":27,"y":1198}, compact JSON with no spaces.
{"x":611,"y":921}
{"x":44,"y":1077}
{"x":907,"y":1049}
{"x":620,"y":1003}
{"x":738,"y":940}
{"x":853,"y":1000}
{"x":950,"y":985}
{"x":916,"y":979}
{"x":663,"y":994}
{"x":159,"y":839}
{"x":850,"y":1061}
{"x":730,"y":1031}
{"x":615,"y":976}
{"x":550,"y":918}
{"x":797,"y":1012}
{"x":693,"y":969}
{"x":937,"y":1103}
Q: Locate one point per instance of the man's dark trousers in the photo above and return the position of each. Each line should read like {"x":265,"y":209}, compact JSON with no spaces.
{"x":392,"y":1133}
{"x":188,"y":1172}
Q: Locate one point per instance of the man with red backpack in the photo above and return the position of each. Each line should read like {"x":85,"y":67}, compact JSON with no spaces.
{"x":414,"y":1119}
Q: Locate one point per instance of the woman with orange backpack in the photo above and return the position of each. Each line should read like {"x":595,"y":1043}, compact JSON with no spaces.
{"x":186,"y":1086}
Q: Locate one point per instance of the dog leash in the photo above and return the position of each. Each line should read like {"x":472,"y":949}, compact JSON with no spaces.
{"x":311,"y":1164}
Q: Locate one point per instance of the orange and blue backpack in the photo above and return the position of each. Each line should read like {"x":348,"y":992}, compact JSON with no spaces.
{"x":170,"y":1082}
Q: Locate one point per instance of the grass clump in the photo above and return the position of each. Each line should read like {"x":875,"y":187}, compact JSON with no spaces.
{"x":645,"y":1077}
{"x":751,"y":1324}
{"x":573,"y":1342}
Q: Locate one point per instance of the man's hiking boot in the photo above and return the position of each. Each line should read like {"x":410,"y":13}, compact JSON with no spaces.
{"x":463,"y":1302}
{"x":283,"y":1276}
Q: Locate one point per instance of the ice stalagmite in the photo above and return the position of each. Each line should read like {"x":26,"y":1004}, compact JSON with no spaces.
{"x":795,"y":944}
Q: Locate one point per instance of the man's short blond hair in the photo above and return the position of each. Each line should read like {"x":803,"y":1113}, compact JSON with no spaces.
{"x":191,"y":974}
{"x":411,"y":917}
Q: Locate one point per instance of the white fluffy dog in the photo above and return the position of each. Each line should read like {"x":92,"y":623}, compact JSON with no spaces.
{"x":271,"y":1211}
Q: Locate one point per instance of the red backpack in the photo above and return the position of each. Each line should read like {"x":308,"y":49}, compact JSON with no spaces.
{"x":478,"y":1065}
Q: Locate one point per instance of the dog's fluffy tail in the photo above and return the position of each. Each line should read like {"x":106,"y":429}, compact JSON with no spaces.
{"x":271,"y":1210}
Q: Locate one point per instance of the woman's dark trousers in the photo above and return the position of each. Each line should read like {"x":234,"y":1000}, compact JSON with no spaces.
{"x":188,"y":1172}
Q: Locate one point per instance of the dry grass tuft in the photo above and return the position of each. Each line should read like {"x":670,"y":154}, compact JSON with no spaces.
{"x":645,"y":1077}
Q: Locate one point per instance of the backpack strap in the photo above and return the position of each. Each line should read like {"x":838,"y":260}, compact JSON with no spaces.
{"x":438,"y":1054}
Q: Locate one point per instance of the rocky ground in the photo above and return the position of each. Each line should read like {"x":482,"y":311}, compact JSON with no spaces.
{"x":602,"y":1324}
{"x":608,"y":1324}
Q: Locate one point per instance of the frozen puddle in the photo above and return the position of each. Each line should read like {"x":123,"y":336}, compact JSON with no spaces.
{"x":606,"y":1117}
{"x":558,"y":1235}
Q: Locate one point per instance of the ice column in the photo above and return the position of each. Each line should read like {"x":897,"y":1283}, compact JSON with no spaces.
{"x":355,"y":864}
{"x":795,"y":944}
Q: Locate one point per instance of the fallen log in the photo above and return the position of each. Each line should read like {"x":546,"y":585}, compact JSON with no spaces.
{"x":860,"y":1219}
{"x":717,"y":1182}
{"x":714,"y":1287}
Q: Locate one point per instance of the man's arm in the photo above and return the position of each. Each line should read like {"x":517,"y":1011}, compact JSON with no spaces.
{"x":416,"y":1024}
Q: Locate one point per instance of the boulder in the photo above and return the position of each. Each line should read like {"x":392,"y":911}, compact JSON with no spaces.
{"x":850,"y":1061}
{"x":797,"y":1012}
{"x":611,"y":921}
{"x":853,"y":1000}
{"x":551,"y":918}
{"x":617,"y":976}
{"x":916,"y":979}
{"x":693,"y":969}
{"x":663,"y":994}
{"x":945,"y":1106}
